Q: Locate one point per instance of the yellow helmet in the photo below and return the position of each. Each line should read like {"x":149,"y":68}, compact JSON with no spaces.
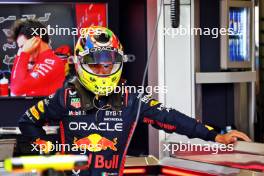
{"x":98,"y":60}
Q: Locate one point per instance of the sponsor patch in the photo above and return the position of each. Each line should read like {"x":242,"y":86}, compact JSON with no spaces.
{"x":30,"y":116}
{"x":209,"y":127}
{"x":96,"y":143}
{"x":41,"y":106}
{"x":113,"y":113}
{"x":76,"y":113}
{"x":34,"y":112}
{"x":153,"y":102}
{"x":76,"y":102}
{"x":162,"y":107}
{"x":72,"y":93}
{"x":145,"y":98}
{"x":103,"y":126}
{"x":46,"y":102}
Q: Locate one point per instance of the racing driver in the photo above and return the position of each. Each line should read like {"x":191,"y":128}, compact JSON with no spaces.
{"x":94,"y":117}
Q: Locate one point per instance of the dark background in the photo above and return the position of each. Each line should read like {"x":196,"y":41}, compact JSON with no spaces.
{"x":217,"y":99}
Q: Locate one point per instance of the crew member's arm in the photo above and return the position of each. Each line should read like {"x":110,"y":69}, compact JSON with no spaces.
{"x":52,"y":108}
{"x":43,"y":72}
{"x":171,"y":120}
{"x":20,"y":65}
{"x":20,"y":73}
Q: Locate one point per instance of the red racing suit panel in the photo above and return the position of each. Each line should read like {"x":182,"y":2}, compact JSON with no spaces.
{"x":43,"y":79}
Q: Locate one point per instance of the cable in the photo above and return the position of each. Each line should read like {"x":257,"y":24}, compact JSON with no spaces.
{"x":145,"y":74}
{"x":103,"y":108}
{"x":175,"y":11}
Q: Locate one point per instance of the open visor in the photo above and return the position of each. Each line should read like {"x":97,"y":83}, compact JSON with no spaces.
{"x":102,"y":63}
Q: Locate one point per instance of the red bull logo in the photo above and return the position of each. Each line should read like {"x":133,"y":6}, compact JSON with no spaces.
{"x":96,"y":143}
{"x":102,"y":162}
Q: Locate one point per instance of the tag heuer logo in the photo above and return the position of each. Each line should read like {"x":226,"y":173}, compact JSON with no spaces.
{"x":76,"y":102}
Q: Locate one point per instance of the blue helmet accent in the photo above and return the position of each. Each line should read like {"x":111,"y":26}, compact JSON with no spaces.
{"x":89,"y":44}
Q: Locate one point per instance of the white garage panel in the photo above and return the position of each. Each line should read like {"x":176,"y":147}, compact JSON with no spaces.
{"x":178,"y":78}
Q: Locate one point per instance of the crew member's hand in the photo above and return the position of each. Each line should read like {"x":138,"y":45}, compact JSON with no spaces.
{"x":31,"y":45}
{"x":231,"y":137}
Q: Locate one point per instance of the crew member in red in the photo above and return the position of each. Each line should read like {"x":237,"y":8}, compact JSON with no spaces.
{"x":36,"y":71}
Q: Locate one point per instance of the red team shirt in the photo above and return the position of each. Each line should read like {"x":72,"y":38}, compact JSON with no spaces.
{"x":45,"y":76}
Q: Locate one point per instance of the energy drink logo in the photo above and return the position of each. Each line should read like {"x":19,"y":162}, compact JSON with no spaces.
{"x":100,"y":162}
{"x":76,"y":102}
{"x":95,"y":143}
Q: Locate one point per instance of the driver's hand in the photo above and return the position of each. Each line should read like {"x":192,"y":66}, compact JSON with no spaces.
{"x":231,"y":137}
{"x":31,"y":45}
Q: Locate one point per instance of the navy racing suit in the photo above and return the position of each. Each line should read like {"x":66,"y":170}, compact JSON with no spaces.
{"x":103,"y":126}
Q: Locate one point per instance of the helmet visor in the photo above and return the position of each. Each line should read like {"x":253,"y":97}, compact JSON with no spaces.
{"x":101,"y":62}
{"x":102,"y":69}
{"x":103,"y":56}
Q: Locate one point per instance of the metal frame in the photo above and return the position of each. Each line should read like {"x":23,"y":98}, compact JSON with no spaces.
{"x":225,"y":77}
{"x":224,"y":23}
